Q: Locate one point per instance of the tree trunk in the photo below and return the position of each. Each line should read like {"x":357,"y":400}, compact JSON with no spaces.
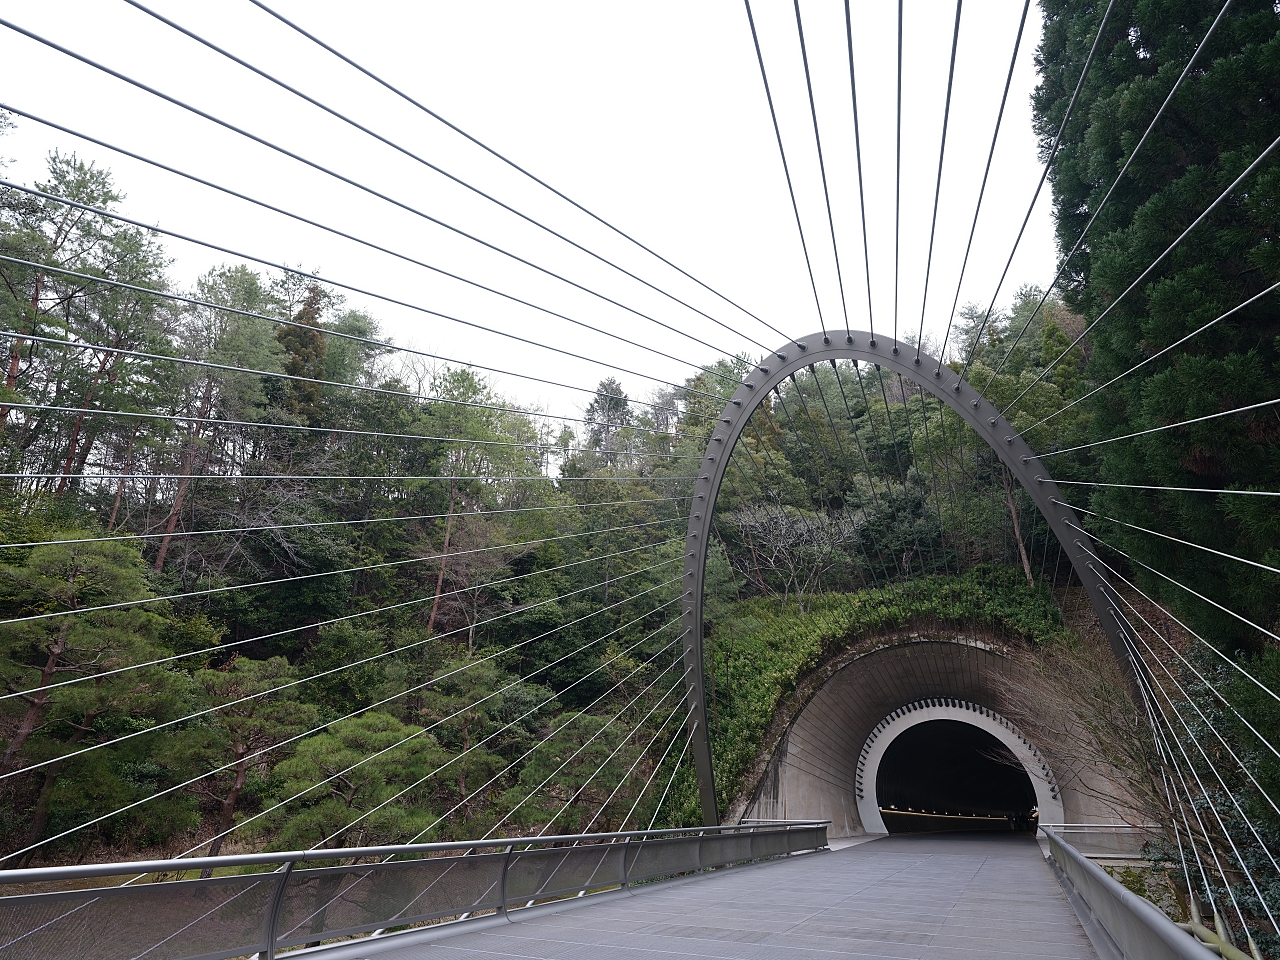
{"x":15,"y":348}
{"x":40,"y":816}
{"x":444,"y":556}
{"x":188,"y":461}
{"x":1017,"y":528}
{"x":128,"y":460}
{"x":74,"y":440}
{"x":228,"y":812}
{"x":35,"y":703}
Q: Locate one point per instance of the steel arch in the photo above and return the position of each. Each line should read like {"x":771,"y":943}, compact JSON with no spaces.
{"x":938,"y":380}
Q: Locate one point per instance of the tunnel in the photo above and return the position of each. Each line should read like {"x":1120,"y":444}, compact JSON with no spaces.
{"x":950,"y":775}
{"x":912,"y":722}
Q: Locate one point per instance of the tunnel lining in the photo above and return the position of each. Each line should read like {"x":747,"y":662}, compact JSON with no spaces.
{"x":1048,"y":794}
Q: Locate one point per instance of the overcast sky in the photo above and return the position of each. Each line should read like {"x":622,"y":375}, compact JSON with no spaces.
{"x":651,"y":115}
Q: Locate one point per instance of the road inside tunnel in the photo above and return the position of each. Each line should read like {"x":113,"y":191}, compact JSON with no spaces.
{"x":950,"y":775}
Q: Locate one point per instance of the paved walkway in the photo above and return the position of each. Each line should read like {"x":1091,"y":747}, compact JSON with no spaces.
{"x":925,"y":897}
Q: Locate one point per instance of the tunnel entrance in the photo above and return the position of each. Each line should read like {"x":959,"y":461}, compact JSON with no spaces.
{"x":949,"y":775}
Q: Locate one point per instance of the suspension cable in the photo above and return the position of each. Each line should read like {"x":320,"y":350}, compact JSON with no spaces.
{"x":645,"y":789}
{"x":897,"y":188}
{"x":622,"y":781}
{"x":937,"y":190}
{"x":1186,"y":696}
{"x":786,"y":169}
{"x":982,"y":190}
{"x":318,"y":278}
{"x":297,"y":378}
{"x":490,"y":696}
{"x":857,"y":145}
{"x":408,"y":208}
{"x":586,"y":744}
{"x":1145,"y":273}
{"x":635,"y":763}
{"x":1114,"y":183}
{"x":300,"y":736}
{"x":323,"y":573}
{"x":1136,"y":486}
{"x":1188,"y":664}
{"x":1176,"y":583}
{"x":1212,"y":806}
{"x":674,"y":770}
{"x":353,"y":616}
{"x":542,"y":743}
{"x":1167,"y":426}
{"x":510,"y":724}
{"x":1159,"y":353}
{"x":1210,"y":647}
{"x":1044,"y":174}
{"x":437,"y":169}
{"x":342,"y":431}
{"x":458,"y":130}
{"x":252,"y":696}
{"x":475,"y":746}
{"x":1165,"y":536}
{"x":333,"y":523}
{"x":915,"y":458}
{"x":616,"y":750}
{"x":822,"y":169}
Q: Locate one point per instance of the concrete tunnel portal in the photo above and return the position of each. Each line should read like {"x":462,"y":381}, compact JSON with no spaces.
{"x":909,"y":733}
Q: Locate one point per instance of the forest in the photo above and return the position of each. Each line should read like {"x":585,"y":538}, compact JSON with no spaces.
{"x":270,"y":580}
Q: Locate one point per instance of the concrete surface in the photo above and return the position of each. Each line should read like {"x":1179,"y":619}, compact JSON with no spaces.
{"x":916,"y":897}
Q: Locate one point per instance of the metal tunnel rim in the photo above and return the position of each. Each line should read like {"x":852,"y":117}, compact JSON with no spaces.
{"x":945,"y":385}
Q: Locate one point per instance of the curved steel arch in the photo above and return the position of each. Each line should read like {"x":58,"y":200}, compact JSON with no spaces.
{"x":938,"y":380}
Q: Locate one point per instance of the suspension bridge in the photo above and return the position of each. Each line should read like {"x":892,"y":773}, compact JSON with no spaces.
{"x":853,"y":636}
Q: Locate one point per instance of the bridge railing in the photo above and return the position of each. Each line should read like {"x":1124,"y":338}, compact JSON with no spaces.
{"x":1132,"y":924}
{"x":240,"y":909}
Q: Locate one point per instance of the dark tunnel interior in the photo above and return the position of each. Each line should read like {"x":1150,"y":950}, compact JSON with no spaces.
{"x":948,"y":775}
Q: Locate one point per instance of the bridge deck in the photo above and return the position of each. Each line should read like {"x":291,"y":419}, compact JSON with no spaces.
{"x":924,"y":897}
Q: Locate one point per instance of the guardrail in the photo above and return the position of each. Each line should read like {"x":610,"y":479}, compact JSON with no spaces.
{"x":1137,"y":928}
{"x":234,"y":914}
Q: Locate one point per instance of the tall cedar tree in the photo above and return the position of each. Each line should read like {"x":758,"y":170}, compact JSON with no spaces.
{"x":1221,"y":120}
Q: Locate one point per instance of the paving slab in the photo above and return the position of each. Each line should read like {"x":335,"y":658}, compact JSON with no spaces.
{"x":909,"y":897}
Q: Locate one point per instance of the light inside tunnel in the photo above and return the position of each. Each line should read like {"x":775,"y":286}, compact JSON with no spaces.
{"x":949,"y":775}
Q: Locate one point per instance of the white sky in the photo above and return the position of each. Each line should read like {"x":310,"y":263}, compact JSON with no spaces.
{"x":652,"y":115}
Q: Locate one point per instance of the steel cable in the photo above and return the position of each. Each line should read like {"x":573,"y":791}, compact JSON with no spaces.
{"x":311,"y":576}
{"x":1048,"y":165}
{"x":253,"y":696}
{"x":515,"y":166}
{"x":1157,"y":354}
{"x":297,"y":378}
{"x":254,"y":755}
{"x":1209,"y":646}
{"x":1186,"y":696}
{"x":345,"y":617}
{"x":822,"y":169}
{"x":674,"y":770}
{"x":1114,"y":183}
{"x":982,"y":190}
{"x":408,"y":208}
{"x":1145,"y":273}
{"x":857,"y":146}
{"x":343,"y":892}
{"x":318,"y":278}
{"x":786,"y":169}
{"x":1185,"y":543}
{"x":444,"y":173}
{"x":1212,"y":806}
{"x":340,"y":431}
{"x":333,"y":523}
{"x":937,"y":190}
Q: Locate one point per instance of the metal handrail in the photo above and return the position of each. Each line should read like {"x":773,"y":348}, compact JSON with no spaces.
{"x":79,"y":872}
{"x":1136,"y":926}
{"x":191,"y":918}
